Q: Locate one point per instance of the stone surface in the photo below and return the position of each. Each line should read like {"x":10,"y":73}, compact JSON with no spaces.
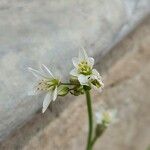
{"x":50,"y":32}
{"x":126,"y":72}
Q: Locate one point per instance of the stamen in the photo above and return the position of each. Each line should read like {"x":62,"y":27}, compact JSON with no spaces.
{"x":84,"y":68}
{"x":46,"y":85}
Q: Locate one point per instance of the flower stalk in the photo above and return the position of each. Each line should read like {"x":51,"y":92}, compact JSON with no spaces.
{"x":68,"y":84}
{"x":90,"y":117}
{"x":93,"y":141}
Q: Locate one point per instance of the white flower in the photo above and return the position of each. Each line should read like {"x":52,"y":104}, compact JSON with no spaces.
{"x":46,"y":83}
{"x":105,"y":117}
{"x":84,"y":71}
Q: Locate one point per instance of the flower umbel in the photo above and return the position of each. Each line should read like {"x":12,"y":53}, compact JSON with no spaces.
{"x":83,"y":78}
{"x":84,"y":71}
{"x":47,"y":83}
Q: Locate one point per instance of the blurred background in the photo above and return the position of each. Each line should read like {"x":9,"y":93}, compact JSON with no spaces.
{"x":116,"y":33}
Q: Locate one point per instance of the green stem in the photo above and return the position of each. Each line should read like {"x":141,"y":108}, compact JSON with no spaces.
{"x":93,"y":141}
{"x":68,"y":84}
{"x":90,"y":115}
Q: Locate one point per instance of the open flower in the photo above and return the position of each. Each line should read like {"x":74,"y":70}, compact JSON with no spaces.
{"x":105,"y":117}
{"x":47,"y":83}
{"x":84,"y":71}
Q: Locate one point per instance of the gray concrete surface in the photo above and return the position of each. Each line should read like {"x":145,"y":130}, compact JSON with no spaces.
{"x":51,"y":32}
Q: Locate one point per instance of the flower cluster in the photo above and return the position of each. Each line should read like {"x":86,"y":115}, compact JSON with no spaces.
{"x":83,"y":78}
{"x":82,"y":75}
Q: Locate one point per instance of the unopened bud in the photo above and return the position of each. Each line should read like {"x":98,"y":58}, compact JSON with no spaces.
{"x":77,"y":90}
{"x":63,"y":90}
{"x":74,"y":80}
{"x":100,"y":129}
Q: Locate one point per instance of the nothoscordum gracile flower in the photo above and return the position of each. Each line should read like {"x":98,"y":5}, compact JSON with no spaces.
{"x":105,"y":117}
{"x":84,"y":71}
{"x":47,"y":83}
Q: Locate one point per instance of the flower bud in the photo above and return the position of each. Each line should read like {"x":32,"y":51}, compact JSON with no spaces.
{"x":74,"y":80}
{"x":63,"y":90}
{"x":77,"y":90}
{"x":100,"y":130}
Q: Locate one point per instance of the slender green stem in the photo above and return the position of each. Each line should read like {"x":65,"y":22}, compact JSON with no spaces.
{"x":68,"y":84}
{"x":93,"y":141}
{"x":90,"y":115}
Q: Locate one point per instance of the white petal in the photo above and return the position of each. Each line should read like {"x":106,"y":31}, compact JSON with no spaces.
{"x":95,"y":88}
{"x":75,"y":61}
{"x":46,"y":70}
{"x":83,"y":55}
{"x":98,"y":117}
{"x":96,"y":73}
{"x":101,"y":83}
{"x":36,"y":73}
{"x":91,"y":61}
{"x":97,"y":76}
{"x":74,"y":72}
{"x":46,"y":102}
{"x":54,"y":94}
{"x":83,"y":79}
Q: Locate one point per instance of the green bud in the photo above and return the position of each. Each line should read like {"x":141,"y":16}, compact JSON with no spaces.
{"x":74,"y":80}
{"x":77,"y":90}
{"x":63,"y":90}
{"x":100,"y":128}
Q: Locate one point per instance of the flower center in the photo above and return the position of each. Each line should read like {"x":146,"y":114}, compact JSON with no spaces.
{"x":84,"y":68}
{"x":107,"y":118}
{"x":47,"y":84}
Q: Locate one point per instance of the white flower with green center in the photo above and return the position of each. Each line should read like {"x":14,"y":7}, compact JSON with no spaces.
{"x":84,"y":70}
{"x":105,"y":117}
{"x":47,"y":83}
